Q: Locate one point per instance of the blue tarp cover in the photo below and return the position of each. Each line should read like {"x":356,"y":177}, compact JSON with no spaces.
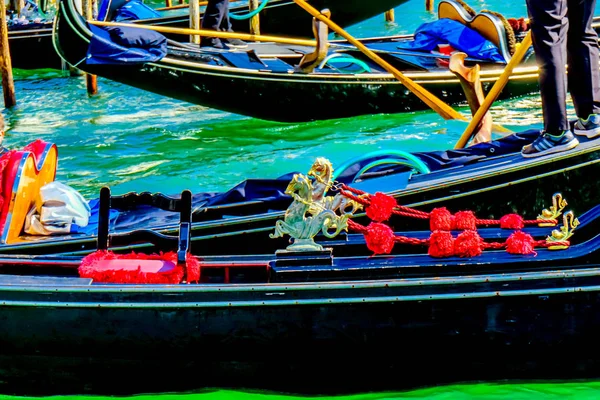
{"x":459,"y":36}
{"x":272,"y":191}
{"x":117,"y":45}
{"x":133,"y":10}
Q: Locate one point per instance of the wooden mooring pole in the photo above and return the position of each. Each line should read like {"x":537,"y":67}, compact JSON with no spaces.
{"x":255,"y":20}
{"x":91,"y":81}
{"x":429,"y":5}
{"x":8,"y":85}
{"x":389,"y":15}
{"x":194,"y":19}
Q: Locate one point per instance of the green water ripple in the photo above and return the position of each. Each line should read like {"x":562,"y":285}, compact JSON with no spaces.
{"x":589,"y":390}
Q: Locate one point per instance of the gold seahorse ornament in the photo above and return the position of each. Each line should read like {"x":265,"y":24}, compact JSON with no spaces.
{"x":311,"y":211}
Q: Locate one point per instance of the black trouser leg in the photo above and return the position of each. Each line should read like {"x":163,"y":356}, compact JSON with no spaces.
{"x":582,"y":48}
{"x":214,"y":13}
{"x":226,"y":23}
{"x":549,"y":26}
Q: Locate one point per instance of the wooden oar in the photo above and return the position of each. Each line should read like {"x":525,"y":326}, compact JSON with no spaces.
{"x":429,"y":98}
{"x":494,"y":91}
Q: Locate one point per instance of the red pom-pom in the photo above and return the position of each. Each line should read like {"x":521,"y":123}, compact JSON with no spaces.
{"x":465,"y":220}
{"x":381,"y":207}
{"x":379,"y":238}
{"x":511,"y":221}
{"x":519,"y":243}
{"x":440,"y":219}
{"x":192,"y":269}
{"x":441,"y":244}
{"x":468,"y":244}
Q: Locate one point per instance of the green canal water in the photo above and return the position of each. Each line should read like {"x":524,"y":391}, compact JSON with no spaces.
{"x":480,"y":391}
{"x":135,"y":141}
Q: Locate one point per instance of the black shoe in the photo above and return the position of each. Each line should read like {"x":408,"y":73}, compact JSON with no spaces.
{"x":212,"y":42}
{"x":240,"y":44}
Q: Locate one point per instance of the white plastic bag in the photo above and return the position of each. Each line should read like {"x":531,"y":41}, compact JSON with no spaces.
{"x":56,"y":209}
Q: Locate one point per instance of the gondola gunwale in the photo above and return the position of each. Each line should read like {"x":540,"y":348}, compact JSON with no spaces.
{"x":261,"y":295}
{"x":415,"y":187}
{"x":577,"y":257}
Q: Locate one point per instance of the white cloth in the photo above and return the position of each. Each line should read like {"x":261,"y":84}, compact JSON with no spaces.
{"x":56,"y":209}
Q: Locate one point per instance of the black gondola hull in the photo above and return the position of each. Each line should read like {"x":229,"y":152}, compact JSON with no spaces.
{"x":499,"y":326}
{"x":283,"y":96}
{"x":32,"y":49}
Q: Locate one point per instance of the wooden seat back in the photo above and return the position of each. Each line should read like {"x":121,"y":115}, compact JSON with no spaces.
{"x":490,"y":25}
{"x":24,"y":173}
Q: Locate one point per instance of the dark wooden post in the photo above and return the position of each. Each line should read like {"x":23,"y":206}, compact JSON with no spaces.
{"x":429,"y":5}
{"x":8,"y":85}
{"x":17,"y":6}
{"x":91,"y":81}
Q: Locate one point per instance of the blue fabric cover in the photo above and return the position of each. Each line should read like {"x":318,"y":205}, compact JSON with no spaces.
{"x":103,"y":10}
{"x":271,"y":191}
{"x":122,"y":10}
{"x":118,"y":45}
{"x":513,"y":143}
{"x":133,"y":10}
{"x":92,"y":227}
{"x":459,"y":36}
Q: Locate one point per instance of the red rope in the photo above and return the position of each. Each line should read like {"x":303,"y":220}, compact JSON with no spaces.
{"x":353,"y":194}
{"x":356,"y":227}
{"x":413,"y":241}
{"x":525,"y":222}
{"x":494,"y":245}
{"x":380,"y":239}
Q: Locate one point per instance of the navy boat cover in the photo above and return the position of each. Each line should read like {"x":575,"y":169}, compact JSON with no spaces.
{"x":125,"y":45}
{"x":272,"y":191}
{"x":134,"y":9}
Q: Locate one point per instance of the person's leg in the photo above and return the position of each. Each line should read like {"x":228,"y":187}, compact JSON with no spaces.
{"x":212,"y":19}
{"x":549,"y":25}
{"x":226,"y":22}
{"x":226,"y":26}
{"x":584,"y":72}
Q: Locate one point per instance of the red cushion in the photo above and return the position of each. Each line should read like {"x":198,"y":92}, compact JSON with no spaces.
{"x":108,"y":267}
{"x":144,"y":266}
